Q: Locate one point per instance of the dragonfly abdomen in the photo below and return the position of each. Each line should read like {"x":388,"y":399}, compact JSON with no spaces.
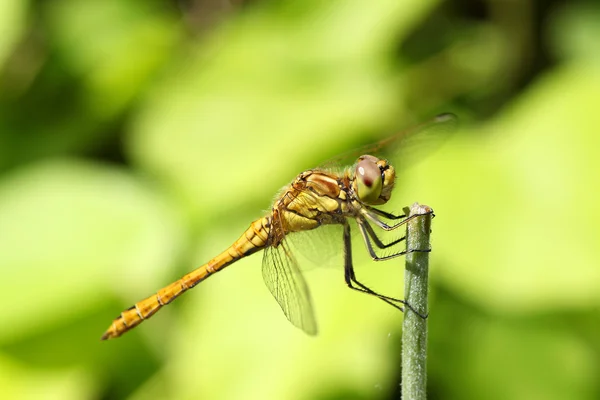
{"x":252,"y":240}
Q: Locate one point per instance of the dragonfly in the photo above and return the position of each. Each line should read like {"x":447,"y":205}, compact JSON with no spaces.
{"x":326,"y":195}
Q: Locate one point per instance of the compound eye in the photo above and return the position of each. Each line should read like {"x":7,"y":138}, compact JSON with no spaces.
{"x":369,"y":180}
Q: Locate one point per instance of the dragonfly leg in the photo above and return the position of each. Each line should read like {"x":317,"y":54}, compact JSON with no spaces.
{"x":382,"y":213}
{"x":369,"y":234}
{"x":371,"y":215}
{"x":386,"y":214}
{"x":351,"y":280}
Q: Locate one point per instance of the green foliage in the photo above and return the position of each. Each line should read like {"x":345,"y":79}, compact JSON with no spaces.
{"x":138,"y":140}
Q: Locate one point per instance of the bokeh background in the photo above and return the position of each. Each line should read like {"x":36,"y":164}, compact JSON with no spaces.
{"x":140,"y":138}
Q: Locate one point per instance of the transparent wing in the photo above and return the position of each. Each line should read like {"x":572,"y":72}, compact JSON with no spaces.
{"x":285,"y":281}
{"x":318,"y":248}
{"x":403,"y":148}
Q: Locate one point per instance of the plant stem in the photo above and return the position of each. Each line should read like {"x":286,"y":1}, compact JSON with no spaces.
{"x":414,"y":328}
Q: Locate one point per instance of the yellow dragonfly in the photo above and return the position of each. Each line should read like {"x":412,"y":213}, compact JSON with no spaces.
{"x":320,"y":196}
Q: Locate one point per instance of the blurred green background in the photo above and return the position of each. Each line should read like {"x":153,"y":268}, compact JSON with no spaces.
{"x":140,"y":138}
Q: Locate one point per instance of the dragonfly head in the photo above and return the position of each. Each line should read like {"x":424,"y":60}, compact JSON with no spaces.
{"x":373,"y":180}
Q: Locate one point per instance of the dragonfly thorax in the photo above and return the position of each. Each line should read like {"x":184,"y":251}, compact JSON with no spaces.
{"x":373,"y":180}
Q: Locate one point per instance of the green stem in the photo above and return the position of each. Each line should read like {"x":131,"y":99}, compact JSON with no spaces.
{"x":414,"y":328}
